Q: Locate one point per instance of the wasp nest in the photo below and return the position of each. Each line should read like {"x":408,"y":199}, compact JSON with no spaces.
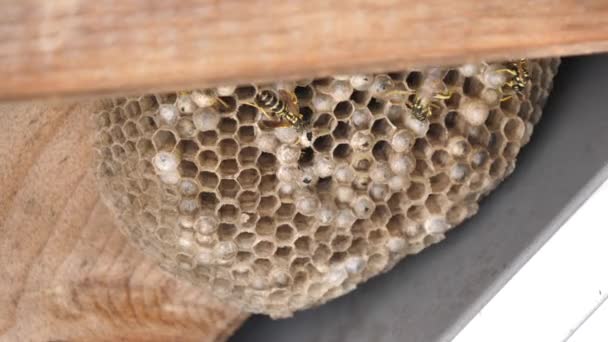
{"x":277,"y":220}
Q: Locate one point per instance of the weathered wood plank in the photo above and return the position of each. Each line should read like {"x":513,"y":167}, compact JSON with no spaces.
{"x":76,"y":47}
{"x":68,"y":274}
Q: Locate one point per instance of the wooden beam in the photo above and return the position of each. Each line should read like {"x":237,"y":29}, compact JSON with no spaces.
{"x":75,"y":47}
{"x":68,"y":274}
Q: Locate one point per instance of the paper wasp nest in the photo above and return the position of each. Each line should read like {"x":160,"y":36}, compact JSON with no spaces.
{"x":276,"y":221}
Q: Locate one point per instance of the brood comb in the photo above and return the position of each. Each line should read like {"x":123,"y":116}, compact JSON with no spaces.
{"x":277,"y":221}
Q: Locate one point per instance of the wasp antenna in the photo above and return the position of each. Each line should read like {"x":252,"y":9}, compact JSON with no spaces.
{"x":260,"y":109}
{"x":218,"y":99}
{"x":508,"y":71}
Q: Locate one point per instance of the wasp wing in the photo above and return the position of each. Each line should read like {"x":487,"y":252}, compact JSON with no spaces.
{"x":275,"y":124}
{"x":291,"y":101}
{"x":397,"y":95}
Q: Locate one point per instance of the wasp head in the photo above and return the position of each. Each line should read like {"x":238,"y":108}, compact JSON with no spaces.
{"x":418,"y":109}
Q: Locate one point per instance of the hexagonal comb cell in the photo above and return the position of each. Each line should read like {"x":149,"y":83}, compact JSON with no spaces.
{"x":282,"y":219}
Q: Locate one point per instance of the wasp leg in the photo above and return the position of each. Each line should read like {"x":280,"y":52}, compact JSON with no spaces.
{"x":506,"y":98}
{"x":444,"y":96}
{"x":510,"y":83}
{"x":285,"y":124}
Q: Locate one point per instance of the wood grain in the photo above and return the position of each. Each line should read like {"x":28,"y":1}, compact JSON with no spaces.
{"x":76,"y":47}
{"x":68,"y":274}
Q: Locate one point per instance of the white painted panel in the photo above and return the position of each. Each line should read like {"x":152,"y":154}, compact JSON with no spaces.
{"x":557,"y":289}
{"x":595,"y":327}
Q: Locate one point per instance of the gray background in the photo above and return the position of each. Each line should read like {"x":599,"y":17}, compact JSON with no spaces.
{"x":431,"y":296}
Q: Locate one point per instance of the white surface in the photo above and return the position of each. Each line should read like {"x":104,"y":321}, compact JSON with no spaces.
{"x":595,"y":328}
{"x":560,"y":294}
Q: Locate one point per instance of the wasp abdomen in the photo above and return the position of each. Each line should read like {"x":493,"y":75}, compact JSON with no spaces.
{"x":280,"y":107}
{"x":269,"y":101}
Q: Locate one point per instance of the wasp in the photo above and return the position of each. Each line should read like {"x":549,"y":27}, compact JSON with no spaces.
{"x":281,"y":109}
{"x":420,"y":106}
{"x":520,"y":76}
